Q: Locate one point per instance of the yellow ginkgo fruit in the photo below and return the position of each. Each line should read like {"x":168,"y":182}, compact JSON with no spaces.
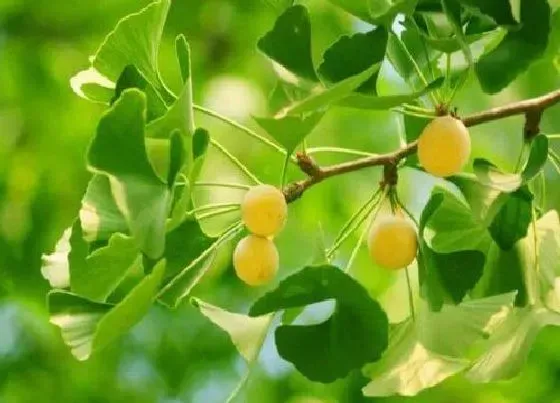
{"x":444,"y":146}
{"x":392,"y":242}
{"x":264,"y":210}
{"x":255,"y":260}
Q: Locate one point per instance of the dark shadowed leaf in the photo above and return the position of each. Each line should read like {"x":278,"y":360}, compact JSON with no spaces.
{"x":327,"y":351}
{"x":499,"y":10}
{"x":438,"y":341}
{"x":512,"y":220}
{"x":183,"y":52}
{"x":289,"y":42}
{"x":131,"y":78}
{"x":451,"y":251}
{"x":518,"y":49}
{"x":351,"y":55}
{"x":508,"y":348}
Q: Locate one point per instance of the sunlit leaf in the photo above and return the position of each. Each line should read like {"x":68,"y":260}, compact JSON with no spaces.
{"x":99,"y":215}
{"x":246,"y":333}
{"x":179,"y":118}
{"x":452,"y":226}
{"x":55,"y":266}
{"x":88,"y":326}
{"x":491,"y":176}
{"x":512,"y":220}
{"x":362,"y":101}
{"x":424,"y":353}
{"x":509,"y":347}
{"x":407,"y":367}
{"x":134,"y":41}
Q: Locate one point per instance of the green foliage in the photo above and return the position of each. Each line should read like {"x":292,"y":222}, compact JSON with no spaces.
{"x":289,"y":43}
{"x":376,"y":11}
{"x":327,"y":351}
{"x":441,"y":341}
{"x":488,"y":271}
{"x":490,"y":175}
{"x":518,"y":49}
{"x":90,"y":326}
{"x":119,"y":152}
{"x":134,"y":41}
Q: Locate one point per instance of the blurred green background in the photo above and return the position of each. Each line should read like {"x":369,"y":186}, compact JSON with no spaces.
{"x":177,"y":356}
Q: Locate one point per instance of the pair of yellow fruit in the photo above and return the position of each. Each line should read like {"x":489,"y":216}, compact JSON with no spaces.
{"x":264,"y":211}
{"x":443,"y":149}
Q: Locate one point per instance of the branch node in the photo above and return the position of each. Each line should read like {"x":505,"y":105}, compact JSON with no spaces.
{"x":390,"y":175}
{"x":308,"y":165}
{"x":294,"y":191}
{"x":532,"y":122}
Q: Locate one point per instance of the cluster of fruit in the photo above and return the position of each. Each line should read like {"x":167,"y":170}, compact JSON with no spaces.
{"x":264,"y":211}
{"x":443,"y":149}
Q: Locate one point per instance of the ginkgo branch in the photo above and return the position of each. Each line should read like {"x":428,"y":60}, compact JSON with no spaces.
{"x":532,"y":108}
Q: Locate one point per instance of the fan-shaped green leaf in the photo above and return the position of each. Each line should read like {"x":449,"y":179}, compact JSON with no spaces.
{"x":134,"y":41}
{"x":118,"y":151}
{"x":327,"y":351}
{"x":246,"y":333}
{"x":289,"y":42}
{"x":88,"y":326}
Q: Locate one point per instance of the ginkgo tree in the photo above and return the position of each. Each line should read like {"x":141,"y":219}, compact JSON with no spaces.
{"x":138,"y":240}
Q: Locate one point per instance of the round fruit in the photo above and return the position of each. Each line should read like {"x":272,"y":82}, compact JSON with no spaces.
{"x":392,"y":242}
{"x":255,"y":260}
{"x":444,"y":146}
{"x":264,"y":210}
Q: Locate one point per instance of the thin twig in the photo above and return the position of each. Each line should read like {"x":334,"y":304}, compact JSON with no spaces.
{"x":235,"y":161}
{"x":242,"y":128}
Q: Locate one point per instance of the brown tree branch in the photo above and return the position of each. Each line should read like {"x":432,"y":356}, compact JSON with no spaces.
{"x":531,"y":108}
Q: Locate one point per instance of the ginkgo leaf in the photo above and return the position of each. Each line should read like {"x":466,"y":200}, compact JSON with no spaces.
{"x":407,"y":367}
{"x":134,"y":41}
{"x":118,"y":151}
{"x":246,"y":333}
{"x":508,"y":348}
{"x":89,"y":326}
{"x":327,"y":351}
{"x":425,"y":352}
